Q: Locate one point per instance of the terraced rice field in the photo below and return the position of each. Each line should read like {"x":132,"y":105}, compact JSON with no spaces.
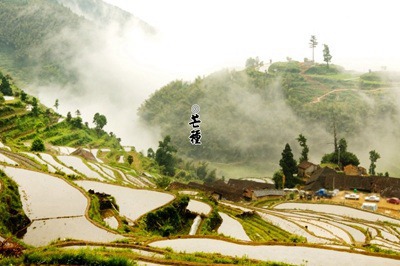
{"x":56,"y":209}
{"x":77,"y":164}
{"x":232,"y":228}
{"x":132,"y":203}
{"x":289,"y":254}
{"x":198,"y":207}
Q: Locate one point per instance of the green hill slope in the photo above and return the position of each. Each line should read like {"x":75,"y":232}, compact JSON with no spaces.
{"x":39,"y":39}
{"x":248,"y":116}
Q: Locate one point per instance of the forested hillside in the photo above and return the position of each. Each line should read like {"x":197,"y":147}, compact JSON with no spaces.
{"x":249,"y":115}
{"x":40,"y":39}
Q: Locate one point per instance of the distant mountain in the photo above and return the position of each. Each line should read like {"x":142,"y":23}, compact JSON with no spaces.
{"x":40,"y":38}
{"x":248,"y":116}
{"x":100,"y":12}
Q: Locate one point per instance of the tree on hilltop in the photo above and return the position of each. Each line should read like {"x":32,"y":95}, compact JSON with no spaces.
{"x":313,"y":43}
{"x":327,"y":55}
{"x":100,"y":121}
{"x":5,"y":87}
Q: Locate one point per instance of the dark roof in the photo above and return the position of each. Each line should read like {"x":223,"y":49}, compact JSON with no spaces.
{"x":305,"y":164}
{"x":329,"y":179}
{"x":268,"y":192}
{"x":248,"y":184}
{"x":219,"y":187}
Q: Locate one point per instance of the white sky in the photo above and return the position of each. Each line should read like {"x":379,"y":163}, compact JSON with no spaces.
{"x":198,"y":37}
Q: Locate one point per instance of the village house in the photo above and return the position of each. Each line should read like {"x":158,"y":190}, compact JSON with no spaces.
{"x":305,"y":169}
{"x":354,"y":170}
{"x":264,"y":193}
{"x":329,"y":179}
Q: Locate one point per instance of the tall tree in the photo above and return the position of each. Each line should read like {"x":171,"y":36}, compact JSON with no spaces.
{"x":5,"y":87}
{"x":23,"y":96}
{"x":100,"y":121}
{"x":289,"y":166}
{"x":303,"y":143}
{"x":165,"y":156}
{"x":373,"y":156}
{"x":313,"y":44}
{"x":327,"y":55}
{"x":56,"y":104}
{"x":69,"y":117}
{"x":35,"y":107}
{"x":341,"y":156}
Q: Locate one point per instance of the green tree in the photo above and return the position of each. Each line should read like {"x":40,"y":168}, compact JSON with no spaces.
{"x":313,"y":44}
{"x":373,"y":156}
{"x":78,"y":113}
{"x":211,"y":176}
{"x":100,"y":121}
{"x":289,"y":167}
{"x":150,"y":153}
{"x":130,"y":159}
{"x":254,"y":63}
{"x":327,"y":55}
{"x":35,"y":107}
{"x":69,"y":117}
{"x":341,"y":156}
{"x":76,"y":122}
{"x":165,"y":156}
{"x":37,"y":145}
{"x":278,"y":179}
{"x":5,"y":87}
{"x":23,"y":96}
{"x":303,"y":143}
{"x":56,"y":104}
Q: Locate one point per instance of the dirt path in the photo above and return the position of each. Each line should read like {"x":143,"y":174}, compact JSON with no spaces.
{"x":318,"y":99}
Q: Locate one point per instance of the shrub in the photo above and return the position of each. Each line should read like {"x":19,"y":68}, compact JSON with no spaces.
{"x":37,"y":145}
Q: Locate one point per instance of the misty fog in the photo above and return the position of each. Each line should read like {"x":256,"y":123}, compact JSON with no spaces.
{"x":121,"y":65}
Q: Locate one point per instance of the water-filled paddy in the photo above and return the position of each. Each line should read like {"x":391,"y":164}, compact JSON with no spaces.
{"x":132,"y":203}
{"x":338,"y":210}
{"x":198,"y":207}
{"x":48,"y":158}
{"x":46,"y":196}
{"x":42,"y":232}
{"x":79,"y":165}
{"x":289,"y":254}
{"x":56,"y":208}
{"x":231,"y":227}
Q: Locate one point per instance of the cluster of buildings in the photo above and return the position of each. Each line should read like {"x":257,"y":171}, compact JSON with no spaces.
{"x":315,"y":178}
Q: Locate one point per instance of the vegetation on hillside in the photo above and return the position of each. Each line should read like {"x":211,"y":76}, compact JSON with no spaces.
{"x":12,"y":216}
{"x":248,"y":115}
